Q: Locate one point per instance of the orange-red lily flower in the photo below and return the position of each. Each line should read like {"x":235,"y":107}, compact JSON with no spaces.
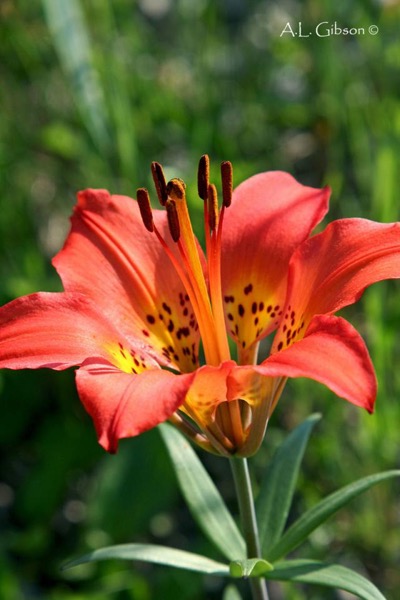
{"x":142,"y":302}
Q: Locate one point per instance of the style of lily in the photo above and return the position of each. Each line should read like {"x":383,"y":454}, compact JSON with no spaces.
{"x":143,"y":302}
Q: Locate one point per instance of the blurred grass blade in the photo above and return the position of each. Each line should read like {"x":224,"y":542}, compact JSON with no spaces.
{"x":117,"y":81}
{"x":250,"y":567}
{"x":311,"y":519}
{"x":162,"y":555}
{"x":71,"y":38}
{"x":333,"y":576}
{"x":278,"y":485}
{"x":203,"y":498}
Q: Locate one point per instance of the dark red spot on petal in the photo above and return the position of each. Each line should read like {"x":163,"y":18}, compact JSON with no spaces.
{"x":166,"y":308}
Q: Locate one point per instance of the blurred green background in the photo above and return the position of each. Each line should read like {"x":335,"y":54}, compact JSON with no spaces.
{"x":93,"y":91}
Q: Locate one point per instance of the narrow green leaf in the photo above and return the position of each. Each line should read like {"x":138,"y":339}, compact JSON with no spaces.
{"x":250,"y":567}
{"x":202,"y":496}
{"x":71,"y":38}
{"x":162,"y":555}
{"x":333,"y":576}
{"x":316,"y":515}
{"x":278,"y":485}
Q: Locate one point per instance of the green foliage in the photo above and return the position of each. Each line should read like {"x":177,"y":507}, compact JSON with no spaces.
{"x":278,"y":486}
{"x":163,"y":555}
{"x":319,"y":513}
{"x":212,"y":515}
{"x":333,"y":576}
{"x":202,"y":496}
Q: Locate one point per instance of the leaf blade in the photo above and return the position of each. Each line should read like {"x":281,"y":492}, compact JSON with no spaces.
{"x":162,"y":555}
{"x":318,"y":573}
{"x":277,"y":488}
{"x":319,"y":513}
{"x":202,"y":496}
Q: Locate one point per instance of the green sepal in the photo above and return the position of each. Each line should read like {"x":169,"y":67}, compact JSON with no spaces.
{"x":332,"y":576}
{"x":319,"y":513}
{"x":278,"y":485}
{"x":162,"y":555}
{"x":250,"y":567}
{"x":203,"y":498}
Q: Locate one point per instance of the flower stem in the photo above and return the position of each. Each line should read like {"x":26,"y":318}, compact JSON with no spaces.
{"x":244,"y":495}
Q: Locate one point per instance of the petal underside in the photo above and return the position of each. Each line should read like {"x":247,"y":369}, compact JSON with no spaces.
{"x":270,"y":215}
{"x":111,"y":257}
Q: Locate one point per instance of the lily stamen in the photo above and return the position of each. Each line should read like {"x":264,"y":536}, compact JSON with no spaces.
{"x":143,"y":200}
{"x":173,"y":220}
{"x":212,"y":202}
{"x":159,"y":182}
{"x":227,"y":182}
{"x":203,"y":176}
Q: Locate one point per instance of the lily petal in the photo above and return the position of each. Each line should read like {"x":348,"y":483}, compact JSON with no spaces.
{"x":124,"y":405}
{"x":332,"y":269}
{"x":61,"y":330}
{"x":332,"y":352}
{"x":53,"y":330}
{"x":270,"y":215}
{"x":111,"y":258}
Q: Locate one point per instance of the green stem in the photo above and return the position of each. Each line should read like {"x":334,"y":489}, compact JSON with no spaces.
{"x":244,"y":495}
